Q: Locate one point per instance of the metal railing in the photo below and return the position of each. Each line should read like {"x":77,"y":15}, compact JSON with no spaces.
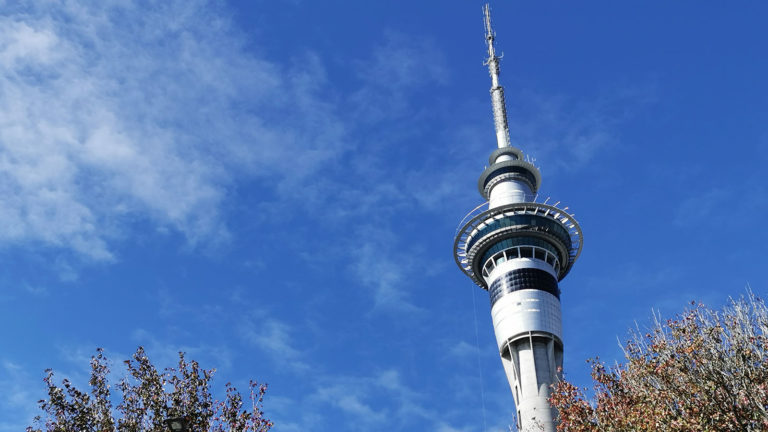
{"x":480,"y":215}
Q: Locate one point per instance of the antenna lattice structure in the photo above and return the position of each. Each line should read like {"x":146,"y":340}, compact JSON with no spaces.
{"x":519,"y":250}
{"x":497,"y":91}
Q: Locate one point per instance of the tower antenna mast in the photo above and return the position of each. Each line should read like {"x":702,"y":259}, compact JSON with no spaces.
{"x":497,"y":91}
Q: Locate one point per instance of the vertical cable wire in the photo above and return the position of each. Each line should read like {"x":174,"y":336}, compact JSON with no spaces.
{"x":479,"y":363}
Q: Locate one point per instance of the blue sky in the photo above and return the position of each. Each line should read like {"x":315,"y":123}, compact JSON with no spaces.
{"x":274,"y":187}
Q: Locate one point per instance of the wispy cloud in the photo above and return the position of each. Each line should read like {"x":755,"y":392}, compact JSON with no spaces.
{"x":569,"y":132}
{"x":702,"y":208}
{"x":274,"y":337}
{"x":114,"y":112}
{"x":699,"y":210}
{"x":463,"y":349}
{"x":398,"y":66}
{"x":118,"y":115}
{"x":377,"y":266}
{"x":18,"y":395}
{"x":164,"y":352}
{"x":381,"y":400}
{"x":375,"y":401}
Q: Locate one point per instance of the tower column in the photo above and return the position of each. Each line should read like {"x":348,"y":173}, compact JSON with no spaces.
{"x":519,"y":250}
{"x":527,"y":322}
{"x":508,"y":192}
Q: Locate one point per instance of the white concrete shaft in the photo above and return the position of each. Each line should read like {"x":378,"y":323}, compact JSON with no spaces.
{"x":504,"y":157}
{"x":525,"y":311}
{"x":531,"y":364}
{"x":509,"y":192}
{"x":528,"y":327}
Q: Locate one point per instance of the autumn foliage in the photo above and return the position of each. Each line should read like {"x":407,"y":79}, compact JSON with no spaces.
{"x":147,"y":397}
{"x":706,"y":370}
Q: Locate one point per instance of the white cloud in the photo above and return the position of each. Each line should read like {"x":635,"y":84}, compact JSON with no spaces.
{"x":381,"y":400}
{"x":114,"y":112}
{"x":398,"y":66}
{"x":165,"y":353}
{"x":403,"y":61}
{"x":380,"y":267}
{"x":20,"y":390}
{"x":274,"y":337}
{"x":365,"y":400}
{"x":462,"y":350}
{"x":567,"y":132}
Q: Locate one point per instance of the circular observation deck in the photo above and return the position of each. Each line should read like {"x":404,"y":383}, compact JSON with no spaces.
{"x":521,"y":230}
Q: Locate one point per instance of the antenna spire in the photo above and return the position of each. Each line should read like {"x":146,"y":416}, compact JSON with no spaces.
{"x":497,"y":91}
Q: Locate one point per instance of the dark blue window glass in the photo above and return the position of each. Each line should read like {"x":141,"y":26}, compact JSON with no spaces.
{"x":542,"y":224}
{"x":520,"y":279}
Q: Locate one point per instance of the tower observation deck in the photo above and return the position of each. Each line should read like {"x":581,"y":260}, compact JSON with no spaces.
{"x":518,"y":250}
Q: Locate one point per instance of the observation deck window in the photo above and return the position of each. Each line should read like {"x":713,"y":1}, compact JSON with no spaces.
{"x":515,"y":252}
{"x":489,"y":266}
{"x":548,"y":225}
{"x":510,"y":243}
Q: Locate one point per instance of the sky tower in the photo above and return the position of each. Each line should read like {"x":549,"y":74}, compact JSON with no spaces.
{"x":518,"y":249}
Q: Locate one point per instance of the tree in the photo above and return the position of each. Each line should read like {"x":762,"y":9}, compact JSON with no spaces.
{"x":705,"y":370}
{"x":149,"y":397}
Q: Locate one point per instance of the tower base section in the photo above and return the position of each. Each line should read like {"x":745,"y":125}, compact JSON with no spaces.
{"x":528,"y":326}
{"x":532,"y":364}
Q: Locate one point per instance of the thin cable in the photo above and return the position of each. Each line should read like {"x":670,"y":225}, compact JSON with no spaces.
{"x":479,"y":363}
